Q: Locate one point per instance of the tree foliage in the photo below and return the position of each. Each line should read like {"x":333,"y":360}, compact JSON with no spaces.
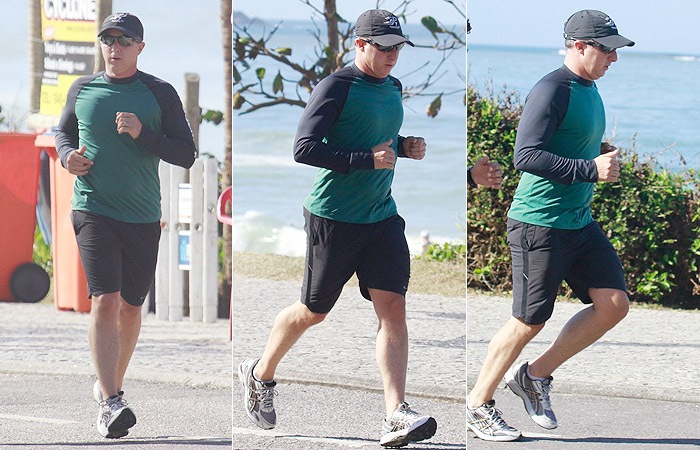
{"x":256,"y":89}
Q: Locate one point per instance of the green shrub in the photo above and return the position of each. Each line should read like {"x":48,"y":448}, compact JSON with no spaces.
{"x":42,"y":252}
{"x":650,"y":215}
{"x":446,"y":252}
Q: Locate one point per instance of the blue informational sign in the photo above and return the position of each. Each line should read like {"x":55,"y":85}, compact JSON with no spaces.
{"x":183,"y":258}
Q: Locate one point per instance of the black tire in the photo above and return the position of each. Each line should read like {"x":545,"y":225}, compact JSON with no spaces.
{"x":29,"y":283}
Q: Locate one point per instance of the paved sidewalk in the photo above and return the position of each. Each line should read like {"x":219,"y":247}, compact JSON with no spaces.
{"x":340,"y":351}
{"x":39,"y":339}
{"x":651,"y":354}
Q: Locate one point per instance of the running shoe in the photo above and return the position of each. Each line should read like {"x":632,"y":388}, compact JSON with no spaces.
{"x":115,"y":418}
{"x":535,"y":395}
{"x":97,"y":392}
{"x":406,"y":425}
{"x":257,"y":396}
{"x":486,"y":422}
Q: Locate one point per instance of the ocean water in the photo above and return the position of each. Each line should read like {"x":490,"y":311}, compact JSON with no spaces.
{"x":649,"y":97}
{"x":269,"y":187}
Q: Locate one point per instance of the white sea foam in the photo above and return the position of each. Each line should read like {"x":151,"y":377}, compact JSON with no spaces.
{"x":258,"y":232}
{"x":685,"y":58}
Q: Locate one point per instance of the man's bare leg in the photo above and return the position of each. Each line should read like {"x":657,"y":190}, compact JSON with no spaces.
{"x":503,"y":350}
{"x":289,"y":325}
{"x":609,"y":307}
{"x":392,"y":345}
{"x":129,"y":326}
{"x":103,"y":335}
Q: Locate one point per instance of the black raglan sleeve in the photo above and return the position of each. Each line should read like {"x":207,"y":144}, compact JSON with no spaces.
{"x":321,"y":112}
{"x":67,"y":138}
{"x":545,"y":108}
{"x":176,"y":144}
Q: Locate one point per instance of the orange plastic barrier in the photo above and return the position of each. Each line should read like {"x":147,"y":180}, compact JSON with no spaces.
{"x":19,"y":181}
{"x":70,"y":283}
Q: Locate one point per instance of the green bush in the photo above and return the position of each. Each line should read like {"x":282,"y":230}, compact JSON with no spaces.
{"x":42,"y":252}
{"x":651,"y":215}
{"x":446,"y":252}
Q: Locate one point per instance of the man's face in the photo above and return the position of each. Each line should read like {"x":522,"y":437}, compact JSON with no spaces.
{"x":120,"y":61}
{"x":596,"y":62}
{"x":376,"y":62}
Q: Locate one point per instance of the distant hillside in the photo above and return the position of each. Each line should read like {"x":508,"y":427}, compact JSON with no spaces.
{"x":241,"y":19}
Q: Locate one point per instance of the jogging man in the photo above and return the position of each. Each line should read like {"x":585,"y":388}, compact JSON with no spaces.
{"x":551,"y":233}
{"x":115,"y":128}
{"x":349,"y":130}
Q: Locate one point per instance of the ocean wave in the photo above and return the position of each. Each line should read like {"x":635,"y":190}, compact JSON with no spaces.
{"x":247,"y":160}
{"x":258,"y":232}
{"x":685,"y":58}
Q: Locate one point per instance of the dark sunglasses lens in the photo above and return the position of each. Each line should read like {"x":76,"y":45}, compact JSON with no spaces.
{"x":124,"y":41}
{"x":398,"y":47}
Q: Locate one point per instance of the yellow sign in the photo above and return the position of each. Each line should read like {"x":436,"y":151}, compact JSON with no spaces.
{"x":68,"y":31}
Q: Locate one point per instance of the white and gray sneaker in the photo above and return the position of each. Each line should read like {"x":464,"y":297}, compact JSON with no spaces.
{"x":115,"y":418}
{"x":257,"y":396}
{"x":486,"y":422}
{"x":535,"y":395}
{"x":406,"y":425}
{"x":97,"y":392}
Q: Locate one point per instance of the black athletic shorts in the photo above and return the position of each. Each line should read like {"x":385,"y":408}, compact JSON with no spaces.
{"x":117,"y":256}
{"x":543,"y":257}
{"x":377,"y":252}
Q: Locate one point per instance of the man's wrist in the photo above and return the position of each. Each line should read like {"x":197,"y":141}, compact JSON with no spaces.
{"x":470,"y":180}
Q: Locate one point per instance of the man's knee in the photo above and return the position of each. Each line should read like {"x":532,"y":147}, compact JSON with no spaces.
{"x":302,"y":316}
{"x":612,"y":303}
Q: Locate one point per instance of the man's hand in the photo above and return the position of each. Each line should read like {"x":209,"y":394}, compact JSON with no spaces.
{"x":487,"y":173}
{"x":414,"y":147}
{"x":77,"y":163}
{"x":384,"y":155}
{"x":608,"y":167}
{"x":128,"y":123}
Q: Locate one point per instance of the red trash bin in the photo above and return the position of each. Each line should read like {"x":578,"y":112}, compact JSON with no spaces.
{"x":225,"y":198}
{"x":20,"y":279}
{"x":70,"y":282}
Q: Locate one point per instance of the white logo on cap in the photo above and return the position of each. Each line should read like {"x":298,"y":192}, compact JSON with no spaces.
{"x":118,"y":17}
{"x":609,"y":22}
{"x":392,"y":22}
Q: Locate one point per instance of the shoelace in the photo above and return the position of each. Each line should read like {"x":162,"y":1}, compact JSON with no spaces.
{"x":540,"y":390}
{"x":495,"y":415}
{"x":265,"y":395}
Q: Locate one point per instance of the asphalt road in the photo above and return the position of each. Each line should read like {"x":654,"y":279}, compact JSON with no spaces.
{"x":589,"y":422}
{"x":331,"y":418}
{"x":58,"y":412}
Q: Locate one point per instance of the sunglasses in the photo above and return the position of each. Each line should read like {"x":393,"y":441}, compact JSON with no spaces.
{"x":385,"y":48}
{"x":124,"y":41}
{"x":604,"y":49}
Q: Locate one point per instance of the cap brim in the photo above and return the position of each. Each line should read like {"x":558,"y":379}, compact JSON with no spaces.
{"x":390,"y":39}
{"x":126,"y":32}
{"x":614,"y":41}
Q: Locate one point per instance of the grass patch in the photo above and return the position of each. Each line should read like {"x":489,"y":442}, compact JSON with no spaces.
{"x":427,"y":277}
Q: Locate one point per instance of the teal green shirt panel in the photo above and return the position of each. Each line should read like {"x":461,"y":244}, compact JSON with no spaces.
{"x":371,"y":114}
{"x":543,"y":202}
{"x":123,"y":182}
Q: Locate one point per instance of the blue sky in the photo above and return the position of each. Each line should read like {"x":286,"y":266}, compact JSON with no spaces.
{"x":295,"y":10}
{"x":656,"y":26}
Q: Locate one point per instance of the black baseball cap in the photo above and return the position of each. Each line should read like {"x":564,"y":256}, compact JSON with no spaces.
{"x":127,"y":23}
{"x":596,"y":26}
{"x":381,"y":26}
